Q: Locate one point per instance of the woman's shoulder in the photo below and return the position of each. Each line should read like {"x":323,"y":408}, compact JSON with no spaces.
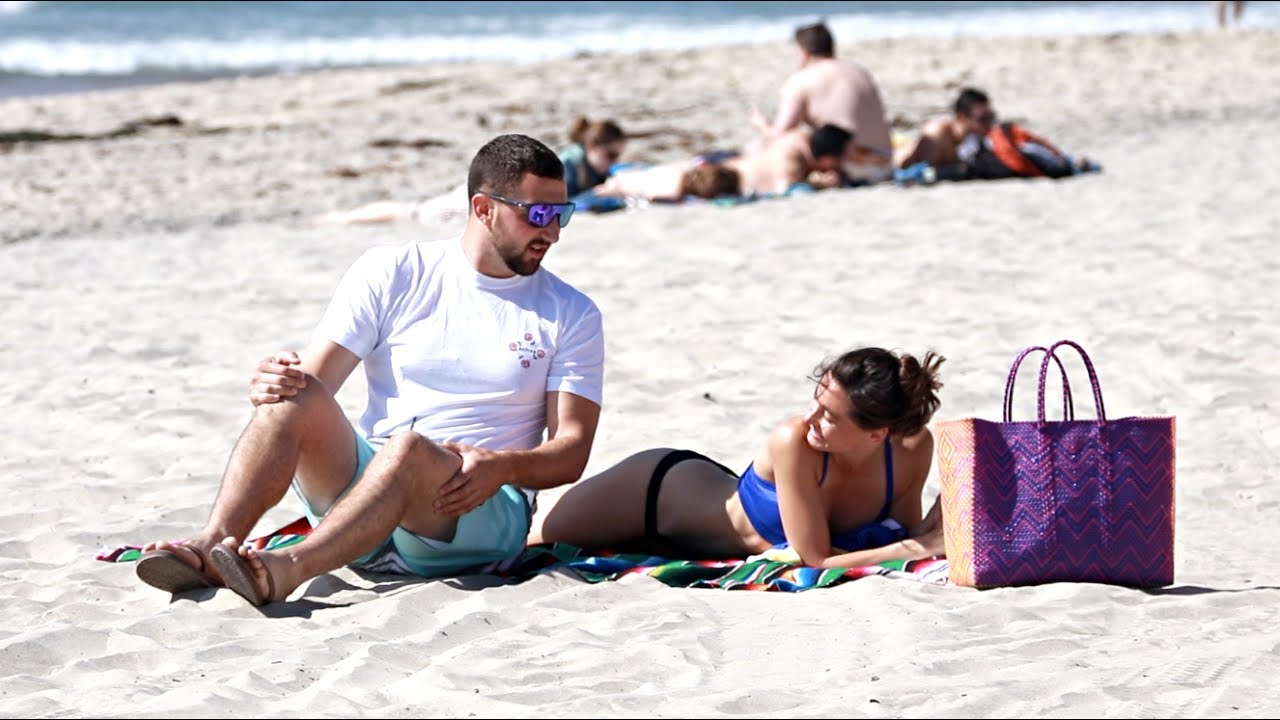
{"x":920,"y":442}
{"x":789,"y":434}
{"x":788,"y":447}
{"x":788,"y":443}
{"x":915,"y":454}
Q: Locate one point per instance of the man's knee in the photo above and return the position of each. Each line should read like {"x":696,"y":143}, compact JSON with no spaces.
{"x":314,"y":395}
{"x":405,"y":446}
{"x":411,"y":450}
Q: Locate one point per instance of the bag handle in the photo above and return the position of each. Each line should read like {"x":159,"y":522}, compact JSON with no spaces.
{"x":1088,"y":364}
{"x":1068,"y":407}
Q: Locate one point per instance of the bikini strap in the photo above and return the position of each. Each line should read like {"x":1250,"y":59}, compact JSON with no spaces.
{"x":888,"y":478}
{"x":655,"y":486}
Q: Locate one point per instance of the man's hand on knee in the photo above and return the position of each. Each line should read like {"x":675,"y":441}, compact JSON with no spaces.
{"x":276,"y":378}
{"x":482,"y":473}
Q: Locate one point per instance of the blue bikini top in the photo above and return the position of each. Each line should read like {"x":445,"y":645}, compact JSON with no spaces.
{"x":759,"y":499}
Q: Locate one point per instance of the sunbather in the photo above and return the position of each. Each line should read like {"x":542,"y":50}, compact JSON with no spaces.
{"x":840,"y":484}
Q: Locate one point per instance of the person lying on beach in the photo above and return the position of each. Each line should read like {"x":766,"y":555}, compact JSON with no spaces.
{"x":830,"y":91}
{"x":937,"y":142}
{"x":972,"y":145}
{"x":1010,"y":150}
{"x":595,"y":146}
{"x":471,"y":351}
{"x":700,"y":177}
{"x":840,"y":484}
{"x":799,"y":156}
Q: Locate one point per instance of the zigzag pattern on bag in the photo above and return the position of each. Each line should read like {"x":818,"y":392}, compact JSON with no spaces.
{"x":1048,"y":501}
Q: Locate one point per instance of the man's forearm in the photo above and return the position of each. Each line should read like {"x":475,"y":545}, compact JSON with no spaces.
{"x":554,"y":463}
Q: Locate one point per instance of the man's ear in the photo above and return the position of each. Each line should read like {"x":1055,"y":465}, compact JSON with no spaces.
{"x":482,"y":208}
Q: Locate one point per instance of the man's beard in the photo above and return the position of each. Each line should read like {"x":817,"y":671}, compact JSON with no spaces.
{"x":517,"y":263}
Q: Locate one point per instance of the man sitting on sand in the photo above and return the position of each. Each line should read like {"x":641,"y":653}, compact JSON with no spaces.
{"x":827,"y":91}
{"x":799,"y":157}
{"x":471,"y":350}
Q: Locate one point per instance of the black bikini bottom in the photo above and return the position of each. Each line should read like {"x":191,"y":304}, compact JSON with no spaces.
{"x":655,"y":485}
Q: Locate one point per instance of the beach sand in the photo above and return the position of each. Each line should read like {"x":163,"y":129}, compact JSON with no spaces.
{"x":145,"y":274}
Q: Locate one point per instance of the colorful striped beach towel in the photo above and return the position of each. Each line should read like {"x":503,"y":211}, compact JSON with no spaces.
{"x":772,"y":571}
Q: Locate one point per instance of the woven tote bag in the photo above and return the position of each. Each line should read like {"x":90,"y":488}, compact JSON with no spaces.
{"x":1040,"y":501}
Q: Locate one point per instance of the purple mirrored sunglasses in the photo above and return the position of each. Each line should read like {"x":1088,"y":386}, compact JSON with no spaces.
{"x":538,"y":215}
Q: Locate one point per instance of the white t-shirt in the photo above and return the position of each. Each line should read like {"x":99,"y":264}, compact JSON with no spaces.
{"x":460,"y":356}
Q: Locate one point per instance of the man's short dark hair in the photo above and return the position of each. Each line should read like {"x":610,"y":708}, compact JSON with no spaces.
{"x":829,"y":141}
{"x":816,"y":40}
{"x":969,"y":99}
{"x":504,"y":160}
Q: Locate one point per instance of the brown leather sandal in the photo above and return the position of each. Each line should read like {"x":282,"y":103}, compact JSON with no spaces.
{"x":162,"y":568}
{"x":238,"y":575}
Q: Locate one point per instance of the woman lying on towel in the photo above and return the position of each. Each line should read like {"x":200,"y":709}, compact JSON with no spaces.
{"x":840,"y":484}
{"x":672,"y":182}
{"x":799,"y":157}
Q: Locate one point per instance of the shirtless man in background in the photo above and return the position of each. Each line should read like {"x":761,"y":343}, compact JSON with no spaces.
{"x":798,"y":155}
{"x":939,"y":139}
{"x":827,"y":91}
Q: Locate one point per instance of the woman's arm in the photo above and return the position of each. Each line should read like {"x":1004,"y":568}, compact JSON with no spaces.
{"x":912,"y":548}
{"x":797,"y":469}
{"x":804,"y":517}
{"x":911,"y":470}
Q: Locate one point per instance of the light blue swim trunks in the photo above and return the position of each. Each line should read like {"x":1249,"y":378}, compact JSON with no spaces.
{"x":492,"y":532}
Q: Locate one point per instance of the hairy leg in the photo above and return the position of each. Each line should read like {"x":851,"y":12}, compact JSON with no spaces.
{"x":399,"y":488}
{"x":306,"y":433}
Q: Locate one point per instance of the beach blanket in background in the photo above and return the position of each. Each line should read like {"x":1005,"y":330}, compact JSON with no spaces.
{"x":776,"y":570}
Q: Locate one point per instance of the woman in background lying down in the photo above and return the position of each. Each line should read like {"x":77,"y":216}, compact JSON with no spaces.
{"x":840,"y":484}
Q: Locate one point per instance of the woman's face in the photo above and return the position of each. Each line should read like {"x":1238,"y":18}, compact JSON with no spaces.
{"x":831,"y":426}
{"x":602,"y":157}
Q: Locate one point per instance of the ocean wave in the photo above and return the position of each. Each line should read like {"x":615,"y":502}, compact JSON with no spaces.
{"x":92,"y":51}
{"x":14,"y":7}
